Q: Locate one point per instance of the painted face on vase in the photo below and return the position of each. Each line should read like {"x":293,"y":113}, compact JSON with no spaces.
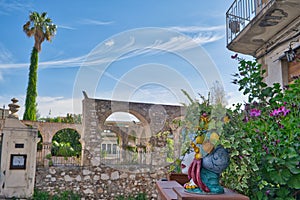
{"x":187,"y":161}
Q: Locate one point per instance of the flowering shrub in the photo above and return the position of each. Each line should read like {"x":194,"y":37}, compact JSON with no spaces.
{"x":263,"y":137}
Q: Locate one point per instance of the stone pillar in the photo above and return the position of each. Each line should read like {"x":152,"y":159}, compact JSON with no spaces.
{"x":91,"y":154}
{"x":18,"y":157}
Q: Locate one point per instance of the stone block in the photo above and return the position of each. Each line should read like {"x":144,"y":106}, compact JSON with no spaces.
{"x":86,"y":172}
{"x":86,"y":178}
{"x":88,"y":191}
{"x":68,"y":178}
{"x":96,"y":178}
{"x":115,"y":175}
{"x":104,"y":177}
{"x":78,"y":178}
{"x":52,"y":170}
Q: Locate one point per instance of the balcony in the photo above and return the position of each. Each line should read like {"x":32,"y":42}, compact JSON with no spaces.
{"x":254,"y":24}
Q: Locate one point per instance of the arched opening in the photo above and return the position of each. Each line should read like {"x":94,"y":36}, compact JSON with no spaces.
{"x":127,"y":130}
{"x":66,"y":148}
{"x":122,"y":117}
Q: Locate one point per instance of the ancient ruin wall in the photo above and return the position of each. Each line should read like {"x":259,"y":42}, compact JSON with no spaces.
{"x":100,"y":182}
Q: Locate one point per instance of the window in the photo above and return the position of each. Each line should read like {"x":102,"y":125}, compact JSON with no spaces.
{"x":103,"y":147}
{"x":114,"y":149}
{"x":109,"y":148}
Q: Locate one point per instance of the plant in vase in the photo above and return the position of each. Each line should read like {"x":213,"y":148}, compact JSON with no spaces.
{"x":264,"y":137}
{"x":203,"y":158}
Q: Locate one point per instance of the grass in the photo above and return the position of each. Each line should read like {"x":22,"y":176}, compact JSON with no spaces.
{"x":66,"y":195}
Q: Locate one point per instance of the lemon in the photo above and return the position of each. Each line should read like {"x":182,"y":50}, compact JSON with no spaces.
{"x":199,"y":139}
{"x":198,"y":156}
{"x":193,"y":145}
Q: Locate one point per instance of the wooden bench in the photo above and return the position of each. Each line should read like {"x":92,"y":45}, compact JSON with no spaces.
{"x":165,"y":190}
{"x":171,"y":190}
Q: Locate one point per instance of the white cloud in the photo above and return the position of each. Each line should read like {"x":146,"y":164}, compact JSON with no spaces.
{"x":175,"y":43}
{"x":193,"y":29}
{"x":110,"y":43}
{"x":59,"y":106}
{"x":66,"y":27}
{"x":200,"y":34}
{"x":5,"y":55}
{"x":8,"y":6}
{"x":95,"y":22}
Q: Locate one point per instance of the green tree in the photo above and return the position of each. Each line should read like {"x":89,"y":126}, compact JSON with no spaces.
{"x":66,"y":143}
{"x":40,"y":27}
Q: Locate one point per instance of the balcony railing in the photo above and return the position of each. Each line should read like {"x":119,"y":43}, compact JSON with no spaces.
{"x":240,"y":13}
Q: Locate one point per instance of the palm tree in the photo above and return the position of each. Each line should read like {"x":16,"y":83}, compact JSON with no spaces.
{"x":41,"y":28}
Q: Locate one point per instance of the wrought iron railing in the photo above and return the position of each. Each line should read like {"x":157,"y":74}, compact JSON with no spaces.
{"x":240,"y":13}
{"x":44,"y":159}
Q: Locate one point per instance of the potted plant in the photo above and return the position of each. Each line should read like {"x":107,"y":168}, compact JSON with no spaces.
{"x":201,"y":127}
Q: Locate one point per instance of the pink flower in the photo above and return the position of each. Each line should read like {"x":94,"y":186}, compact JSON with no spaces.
{"x":285,"y":111}
{"x":254,"y":112}
{"x":246,"y":119}
{"x":280,"y":110}
{"x":275,"y":113}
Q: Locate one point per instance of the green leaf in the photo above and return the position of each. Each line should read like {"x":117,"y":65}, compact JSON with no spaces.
{"x":280,"y":176}
{"x":295,"y":170}
{"x":294,"y":181}
{"x":283,"y":192}
{"x":259,"y":195}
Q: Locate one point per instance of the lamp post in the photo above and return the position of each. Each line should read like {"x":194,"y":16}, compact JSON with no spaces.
{"x":290,"y":54}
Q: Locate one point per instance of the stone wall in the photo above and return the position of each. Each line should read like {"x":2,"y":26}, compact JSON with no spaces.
{"x":100,"y":182}
{"x":153,"y":119}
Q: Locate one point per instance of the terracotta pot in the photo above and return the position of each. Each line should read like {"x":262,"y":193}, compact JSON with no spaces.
{"x":179,"y":177}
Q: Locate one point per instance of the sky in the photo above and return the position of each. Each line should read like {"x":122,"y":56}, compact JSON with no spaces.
{"x":140,"y":51}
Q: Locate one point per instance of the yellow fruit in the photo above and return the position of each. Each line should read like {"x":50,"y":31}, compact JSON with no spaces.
{"x":196,"y":150}
{"x":214,"y":137}
{"x":226,"y":119}
{"x":199,"y":139}
{"x":193,"y":145}
{"x":198,"y":156}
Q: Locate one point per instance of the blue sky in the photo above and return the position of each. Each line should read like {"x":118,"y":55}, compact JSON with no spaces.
{"x":94,"y":31}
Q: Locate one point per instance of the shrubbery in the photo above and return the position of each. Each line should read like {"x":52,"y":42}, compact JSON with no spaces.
{"x":263,"y":138}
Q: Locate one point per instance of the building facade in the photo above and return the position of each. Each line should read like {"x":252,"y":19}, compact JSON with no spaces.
{"x":268,"y":30}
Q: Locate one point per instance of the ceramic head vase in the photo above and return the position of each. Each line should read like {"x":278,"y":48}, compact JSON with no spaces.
{"x":204,"y":172}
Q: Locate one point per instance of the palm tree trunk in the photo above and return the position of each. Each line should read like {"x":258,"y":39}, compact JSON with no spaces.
{"x":30,"y":102}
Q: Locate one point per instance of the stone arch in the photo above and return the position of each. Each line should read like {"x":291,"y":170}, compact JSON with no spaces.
{"x":153,"y":117}
{"x":48,"y":130}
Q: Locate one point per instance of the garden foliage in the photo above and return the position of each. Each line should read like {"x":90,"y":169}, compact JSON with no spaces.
{"x":263,"y":137}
